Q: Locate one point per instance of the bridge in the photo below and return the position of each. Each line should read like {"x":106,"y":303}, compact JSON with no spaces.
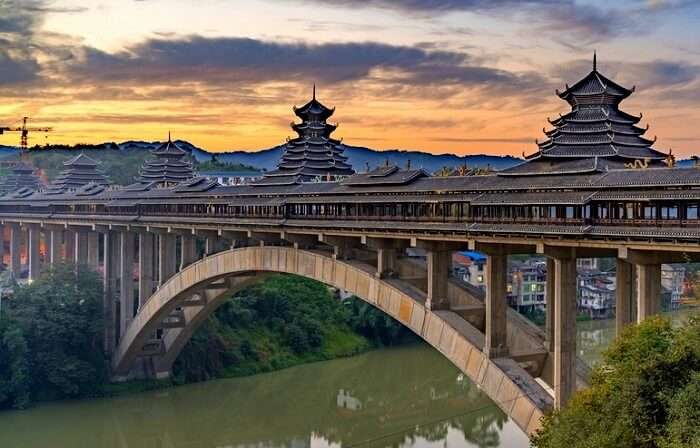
{"x":173,"y":246}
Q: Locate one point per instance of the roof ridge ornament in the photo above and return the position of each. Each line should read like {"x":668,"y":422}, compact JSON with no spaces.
{"x":595,"y":61}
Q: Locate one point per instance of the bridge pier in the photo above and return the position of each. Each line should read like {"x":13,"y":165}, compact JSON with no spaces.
{"x":69,"y":246}
{"x":167,"y":263}
{"x":81,"y":247}
{"x":126,"y":281}
{"x":550,"y":305}
{"x":624,"y":295}
{"x":565,"y":328}
{"x":33,"y":251}
{"x":15,"y":249}
{"x":188,"y":250}
{"x":111,"y":269}
{"x":93,"y":250}
{"x":146,"y":266}
{"x":648,"y":290}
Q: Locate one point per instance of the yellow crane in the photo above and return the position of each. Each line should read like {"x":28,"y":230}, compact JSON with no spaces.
{"x":24,"y":130}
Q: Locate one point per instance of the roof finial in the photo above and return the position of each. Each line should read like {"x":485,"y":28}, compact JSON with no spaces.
{"x":314,"y":93}
{"x":169,"y":140}
{"x":595,"y":61}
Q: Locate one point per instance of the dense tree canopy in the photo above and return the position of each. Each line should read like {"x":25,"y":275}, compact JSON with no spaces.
{"x":646,"y":393}
{"x":50,"y":339}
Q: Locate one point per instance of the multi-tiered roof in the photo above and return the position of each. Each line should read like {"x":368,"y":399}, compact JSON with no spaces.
{"x":313,"y":155}
{"x":22,"y":177}
{"x":169,"y":165}
{"x":80,"y":170}
{"x":595,"y":135}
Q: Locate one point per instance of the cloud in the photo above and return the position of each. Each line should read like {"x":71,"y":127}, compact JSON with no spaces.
{"x":243,"y":61}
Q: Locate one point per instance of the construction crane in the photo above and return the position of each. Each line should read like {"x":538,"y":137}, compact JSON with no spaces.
{"x":25,"y":130}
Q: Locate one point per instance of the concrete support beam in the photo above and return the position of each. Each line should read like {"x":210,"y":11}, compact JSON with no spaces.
{"x":624,"y":295}
{"x":188,"y":250}
{"x":387,"y":252}
{"x":496,"y":336}
{"x":265,"y":237}
{"x":127,"y":242}
{"x":69,"y":245}
{"x":81,"y":247}
{"x":648,"y":290}
{"x":146,"y":266}
{"x":112,"y":264}
{"x":54,"y":244}
{"x":93,"y":250}
{"x":551,"y":304}
{"x":33,"y":243}
{"x":565,"y":330}
{"x":438,"y":263}
{"x":503,"y":249}
{"x":300,"y":240}
{"x":2,"y":244}
{"x":342,"y":245}
{"x":15,"y":249}
{"x":167,"y":262}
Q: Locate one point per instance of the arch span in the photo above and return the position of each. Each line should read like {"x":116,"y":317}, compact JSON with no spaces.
{"x":190,"y":296}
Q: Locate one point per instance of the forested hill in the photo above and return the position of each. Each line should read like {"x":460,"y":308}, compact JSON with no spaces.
{"x":267,"y":159}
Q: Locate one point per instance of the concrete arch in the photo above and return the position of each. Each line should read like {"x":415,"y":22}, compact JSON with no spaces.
{"x":186,"y":299}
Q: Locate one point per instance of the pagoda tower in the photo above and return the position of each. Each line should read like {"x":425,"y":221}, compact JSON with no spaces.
{"x":595,"y":136}
{"x":313,"y":155}
{"x":22,"y":176}
{"x":80,"y":170}
{"x":168,"y":166}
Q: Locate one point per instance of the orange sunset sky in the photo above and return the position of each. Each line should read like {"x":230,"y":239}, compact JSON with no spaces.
{"x":459,"y":76}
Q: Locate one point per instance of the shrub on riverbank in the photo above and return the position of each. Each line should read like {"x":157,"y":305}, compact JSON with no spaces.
{"x":646,"y":393}
{"x":51,"y":339}
{"x":284,"y":321}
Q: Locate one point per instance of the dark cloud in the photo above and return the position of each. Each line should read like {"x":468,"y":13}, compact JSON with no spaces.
{"x":236,"y":61}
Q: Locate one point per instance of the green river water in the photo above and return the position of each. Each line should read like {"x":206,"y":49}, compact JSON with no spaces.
{"x":400,"y":397}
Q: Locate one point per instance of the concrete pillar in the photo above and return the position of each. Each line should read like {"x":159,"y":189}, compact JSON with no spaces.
{"x":15,"y":249}
{"x":564,"y":330}
{"x":81,"y":247}
{"x":188,"y":251}
{"x":146,"y":266}
{"x":167,"y":262}
{"x":648,"y":290}
{"x":550,"y":302}
{"x":126,"y":281}
{"x":496,"y":338}
{"x":210,"y":245}
{"x":2,"y":244}
{"x":438,"y":263}
{"x":112,"y":263}
{"x":93,"y":250}
{"x":386,"y":262}
{"x":624,"y":295}
{"x":69,"y":246}
{"x":33,"y":243}
{"x":54,"y":243}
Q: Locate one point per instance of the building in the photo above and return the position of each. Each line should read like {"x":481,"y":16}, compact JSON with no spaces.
{"x":527,"y":284}
{"x":229,"y":178}
{"x":23,"y":177}
{"x":79,"y":171}
{"x":313,"y":156}
{"x":673,"y":281}
{"x":168,"y":166}
{"x":594,"y":136}
{"x":596,"y":293}
{"x":470,"y":266}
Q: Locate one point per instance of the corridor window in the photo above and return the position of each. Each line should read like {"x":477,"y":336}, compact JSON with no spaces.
{"x":692,"y":212}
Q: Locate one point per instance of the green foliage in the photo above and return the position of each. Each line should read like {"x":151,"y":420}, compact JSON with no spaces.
{"x":50,"y":339}
{"x":215,"y":165}
{"x":283,"y":321}
{"x":646,"y":393}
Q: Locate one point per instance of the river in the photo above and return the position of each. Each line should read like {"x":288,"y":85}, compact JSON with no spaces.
{"x":408,"y":397}
{"x":404,"y":397}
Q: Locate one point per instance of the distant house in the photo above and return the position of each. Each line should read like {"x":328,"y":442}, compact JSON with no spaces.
{"x":232,"y":177}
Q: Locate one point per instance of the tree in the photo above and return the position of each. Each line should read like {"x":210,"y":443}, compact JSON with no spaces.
{"x":53,"y":336}
{"x":644,"y":394}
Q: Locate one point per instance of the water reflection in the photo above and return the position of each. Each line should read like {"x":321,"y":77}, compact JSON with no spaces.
{"x":407,"y":397}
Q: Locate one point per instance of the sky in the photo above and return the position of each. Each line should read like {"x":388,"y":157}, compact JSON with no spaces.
{"x":443,"y":76}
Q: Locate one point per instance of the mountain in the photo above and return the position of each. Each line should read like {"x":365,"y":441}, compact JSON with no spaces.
{"x":360,"y":157}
